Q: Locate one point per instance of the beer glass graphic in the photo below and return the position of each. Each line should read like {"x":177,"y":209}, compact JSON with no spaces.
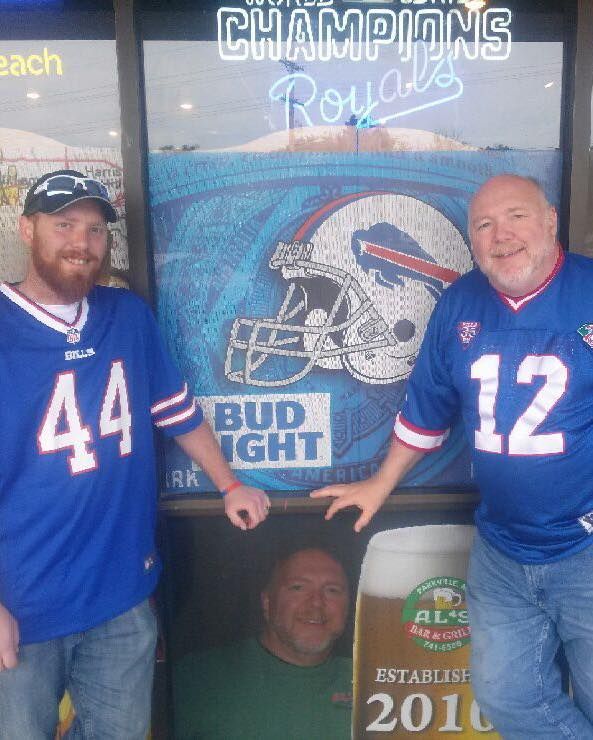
{"x":446,"y":598}
{"x":411,"y":647}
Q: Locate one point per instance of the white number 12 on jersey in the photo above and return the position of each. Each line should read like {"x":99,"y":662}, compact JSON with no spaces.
{"x":522,"y":439}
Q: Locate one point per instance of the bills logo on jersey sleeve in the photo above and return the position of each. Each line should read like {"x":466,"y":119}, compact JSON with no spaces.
{"x":586,"y":331}
{"x":467,"y":331}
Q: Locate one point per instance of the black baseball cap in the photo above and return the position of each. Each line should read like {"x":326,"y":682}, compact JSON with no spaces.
{"x":57,"y":190}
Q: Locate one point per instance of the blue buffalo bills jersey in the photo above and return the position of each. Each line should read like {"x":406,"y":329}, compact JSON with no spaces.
{"x":77,"y":473}
{"x":520,"y":371}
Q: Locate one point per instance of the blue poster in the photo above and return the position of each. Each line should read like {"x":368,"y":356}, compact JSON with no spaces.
{"x":294,"y":290}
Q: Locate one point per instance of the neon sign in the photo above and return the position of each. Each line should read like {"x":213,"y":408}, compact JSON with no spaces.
{"x":17,"y":65}
{"x":431,"y":84}
{"x":302,"y":35}
{"x":425,"y":41}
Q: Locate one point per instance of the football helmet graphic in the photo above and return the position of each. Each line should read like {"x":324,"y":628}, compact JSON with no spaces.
{"x":363,"y":274}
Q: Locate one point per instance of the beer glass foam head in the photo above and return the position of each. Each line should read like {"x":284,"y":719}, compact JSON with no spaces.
{"x":397,"y":560}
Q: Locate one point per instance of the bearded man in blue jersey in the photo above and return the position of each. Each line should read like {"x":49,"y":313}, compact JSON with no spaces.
{"x":85,"y":378}
{"x":510,"y":346}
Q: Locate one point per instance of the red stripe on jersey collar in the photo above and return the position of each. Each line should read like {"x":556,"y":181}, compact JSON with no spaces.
{"x":516,"y":303}
{"x":43,"y":316}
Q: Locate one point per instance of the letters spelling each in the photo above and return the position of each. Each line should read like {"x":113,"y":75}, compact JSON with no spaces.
{"x":17,"y":65}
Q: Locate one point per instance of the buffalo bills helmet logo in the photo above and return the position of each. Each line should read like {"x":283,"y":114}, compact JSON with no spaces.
{"x":390,"y":256}
{"x":363,"y":274}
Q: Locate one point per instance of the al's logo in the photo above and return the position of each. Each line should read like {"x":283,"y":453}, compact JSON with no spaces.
{"x":434,"y":615}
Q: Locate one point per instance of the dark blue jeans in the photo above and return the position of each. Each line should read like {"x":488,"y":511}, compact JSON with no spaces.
{"x":519,"y":615}
{"x":107,"y":670}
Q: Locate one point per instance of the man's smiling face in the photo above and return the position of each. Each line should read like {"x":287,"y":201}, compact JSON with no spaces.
{"x":67,"y":251}
{"x":305,"y":608}
{"x":513,"y":234}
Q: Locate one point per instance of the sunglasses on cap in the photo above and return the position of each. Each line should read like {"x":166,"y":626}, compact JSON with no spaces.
{"x":67,"y":184}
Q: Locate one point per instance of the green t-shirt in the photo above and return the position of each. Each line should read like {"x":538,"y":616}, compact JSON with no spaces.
{"x":243,"y":692}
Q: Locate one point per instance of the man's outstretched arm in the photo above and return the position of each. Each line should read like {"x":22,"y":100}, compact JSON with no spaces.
{"x":245,"y":506}
{"x":369,"y":495}
{"x":9,"y":639}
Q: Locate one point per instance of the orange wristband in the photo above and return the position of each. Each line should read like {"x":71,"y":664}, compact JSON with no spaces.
{"x":231,"y":487}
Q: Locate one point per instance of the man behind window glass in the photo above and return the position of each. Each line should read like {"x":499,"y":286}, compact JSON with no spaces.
{"x":286,"y":684}
{"x":84,"y":376}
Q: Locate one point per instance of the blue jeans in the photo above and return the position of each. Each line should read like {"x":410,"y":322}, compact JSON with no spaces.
{"x":520,"y":614}
{"x":107,"y":670}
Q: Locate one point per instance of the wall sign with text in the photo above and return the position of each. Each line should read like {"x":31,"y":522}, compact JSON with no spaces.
{"x":295,"y":289}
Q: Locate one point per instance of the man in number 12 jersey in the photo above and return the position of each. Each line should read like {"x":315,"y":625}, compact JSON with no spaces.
{"x":85,"y":377}
{"x":510,"y":347}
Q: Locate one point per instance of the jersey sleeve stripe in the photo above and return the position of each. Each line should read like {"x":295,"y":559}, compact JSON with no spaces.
{"x":177,"y":418}
{"x":166,"y":403}
{"x":419,"y":439}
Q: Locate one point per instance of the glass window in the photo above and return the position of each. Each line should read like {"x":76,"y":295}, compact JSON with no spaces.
{"x":311,"y":163}
{"x":60,"y":109}
{"x":242,"y":76}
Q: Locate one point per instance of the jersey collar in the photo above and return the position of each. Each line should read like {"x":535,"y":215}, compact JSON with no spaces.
{"x":517,"y":303}
{"x":43,"y":316}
